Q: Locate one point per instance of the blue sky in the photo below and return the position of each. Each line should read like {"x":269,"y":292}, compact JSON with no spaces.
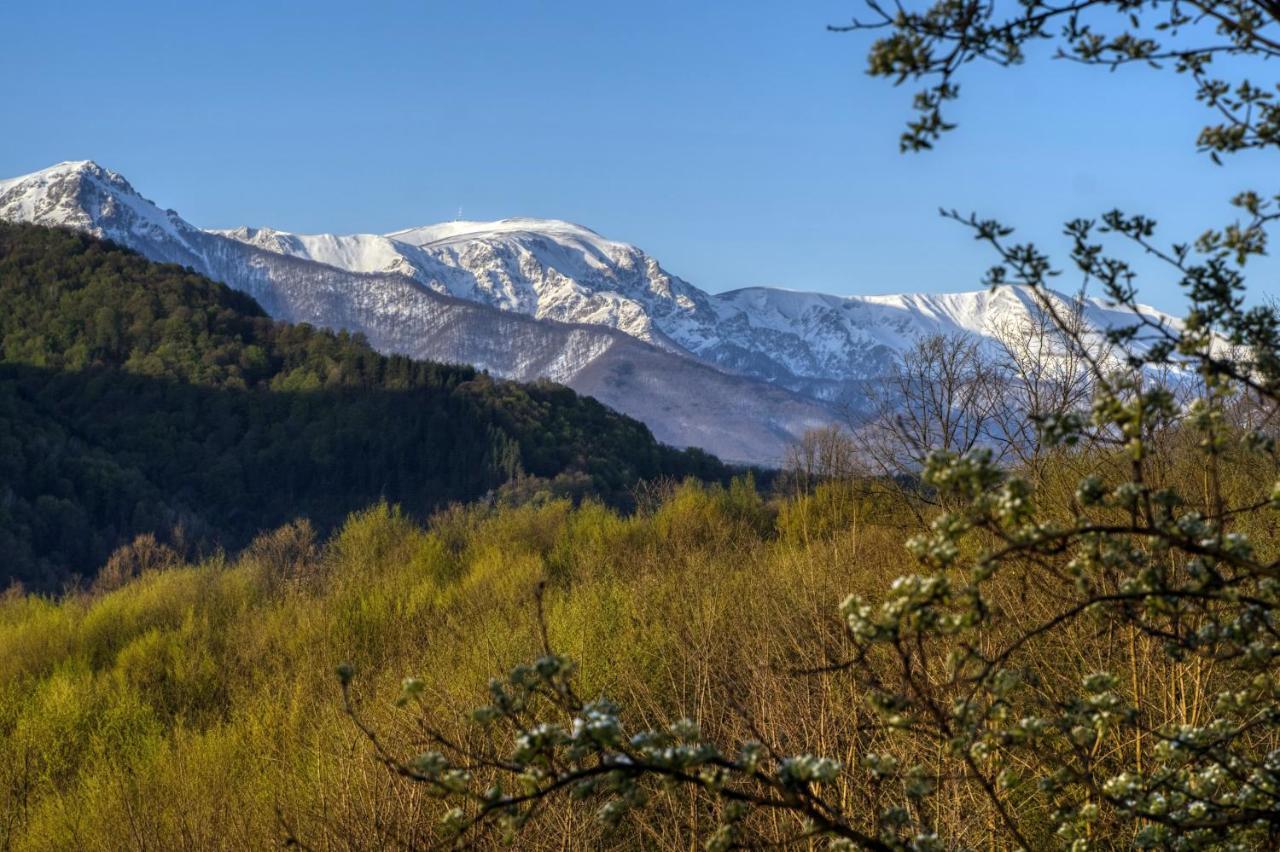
{"x":740,"y":143}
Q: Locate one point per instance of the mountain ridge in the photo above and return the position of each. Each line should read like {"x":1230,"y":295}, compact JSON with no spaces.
{"x":821,"y":345}
{"x":747,"y":370}
{"x":400,"y":316}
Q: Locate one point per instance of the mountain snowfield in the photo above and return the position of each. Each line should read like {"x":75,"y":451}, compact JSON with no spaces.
{"x":821,"y":345}
{"x":741,"y":373}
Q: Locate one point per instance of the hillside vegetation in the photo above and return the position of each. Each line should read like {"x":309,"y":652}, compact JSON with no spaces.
{"x":1034,"y":605}
{"x":140,"y":398}
{"x":196,"y":706}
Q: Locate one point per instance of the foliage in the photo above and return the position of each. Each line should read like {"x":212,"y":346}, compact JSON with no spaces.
{"x":195,"y":704}
{"x":963,"y":673}
{"x":936,"y":43}
{"x":138,"y":398}
{"x":952,"y":668}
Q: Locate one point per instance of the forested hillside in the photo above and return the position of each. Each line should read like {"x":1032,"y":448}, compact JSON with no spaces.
{"x":141,"y":398}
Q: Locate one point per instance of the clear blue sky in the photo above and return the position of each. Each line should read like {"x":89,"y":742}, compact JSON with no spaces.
{"x":738,"y":142}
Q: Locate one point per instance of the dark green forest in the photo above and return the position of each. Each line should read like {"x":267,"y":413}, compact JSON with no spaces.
{"x":142,"y":398}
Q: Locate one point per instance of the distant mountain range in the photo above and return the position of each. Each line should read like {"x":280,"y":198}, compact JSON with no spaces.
{"x":740,"y":374}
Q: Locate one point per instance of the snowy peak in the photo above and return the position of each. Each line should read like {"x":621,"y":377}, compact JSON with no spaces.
{"x":814,"y":343}
{"x":65,"y":168}
{"x":887,"y":318}
{"x":812,"y":348}
{"x":544,"y":268}
{"x":82,"y":194}
{"x":75,"y":193}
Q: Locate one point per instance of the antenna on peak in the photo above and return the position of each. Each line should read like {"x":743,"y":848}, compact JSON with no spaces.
{"x":458,"y":218}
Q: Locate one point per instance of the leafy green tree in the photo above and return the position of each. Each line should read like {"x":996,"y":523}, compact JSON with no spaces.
{"x":1182,"y":575}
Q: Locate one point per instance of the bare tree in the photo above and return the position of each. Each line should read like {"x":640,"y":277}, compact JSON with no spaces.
{"x":1041,"y":370}
{"x":822,"y":455}
{"x":940,"y":398}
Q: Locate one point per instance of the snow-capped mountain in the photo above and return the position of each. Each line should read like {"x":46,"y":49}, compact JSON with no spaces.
{"x":684,"y":401}
{"x":544,"y":268}
{"x":822,"y":346}
{"x":741,"y":373}
{"x":85,"y":196}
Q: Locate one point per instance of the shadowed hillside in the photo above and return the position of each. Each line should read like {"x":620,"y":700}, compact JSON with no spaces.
{"x":137,"y":397}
